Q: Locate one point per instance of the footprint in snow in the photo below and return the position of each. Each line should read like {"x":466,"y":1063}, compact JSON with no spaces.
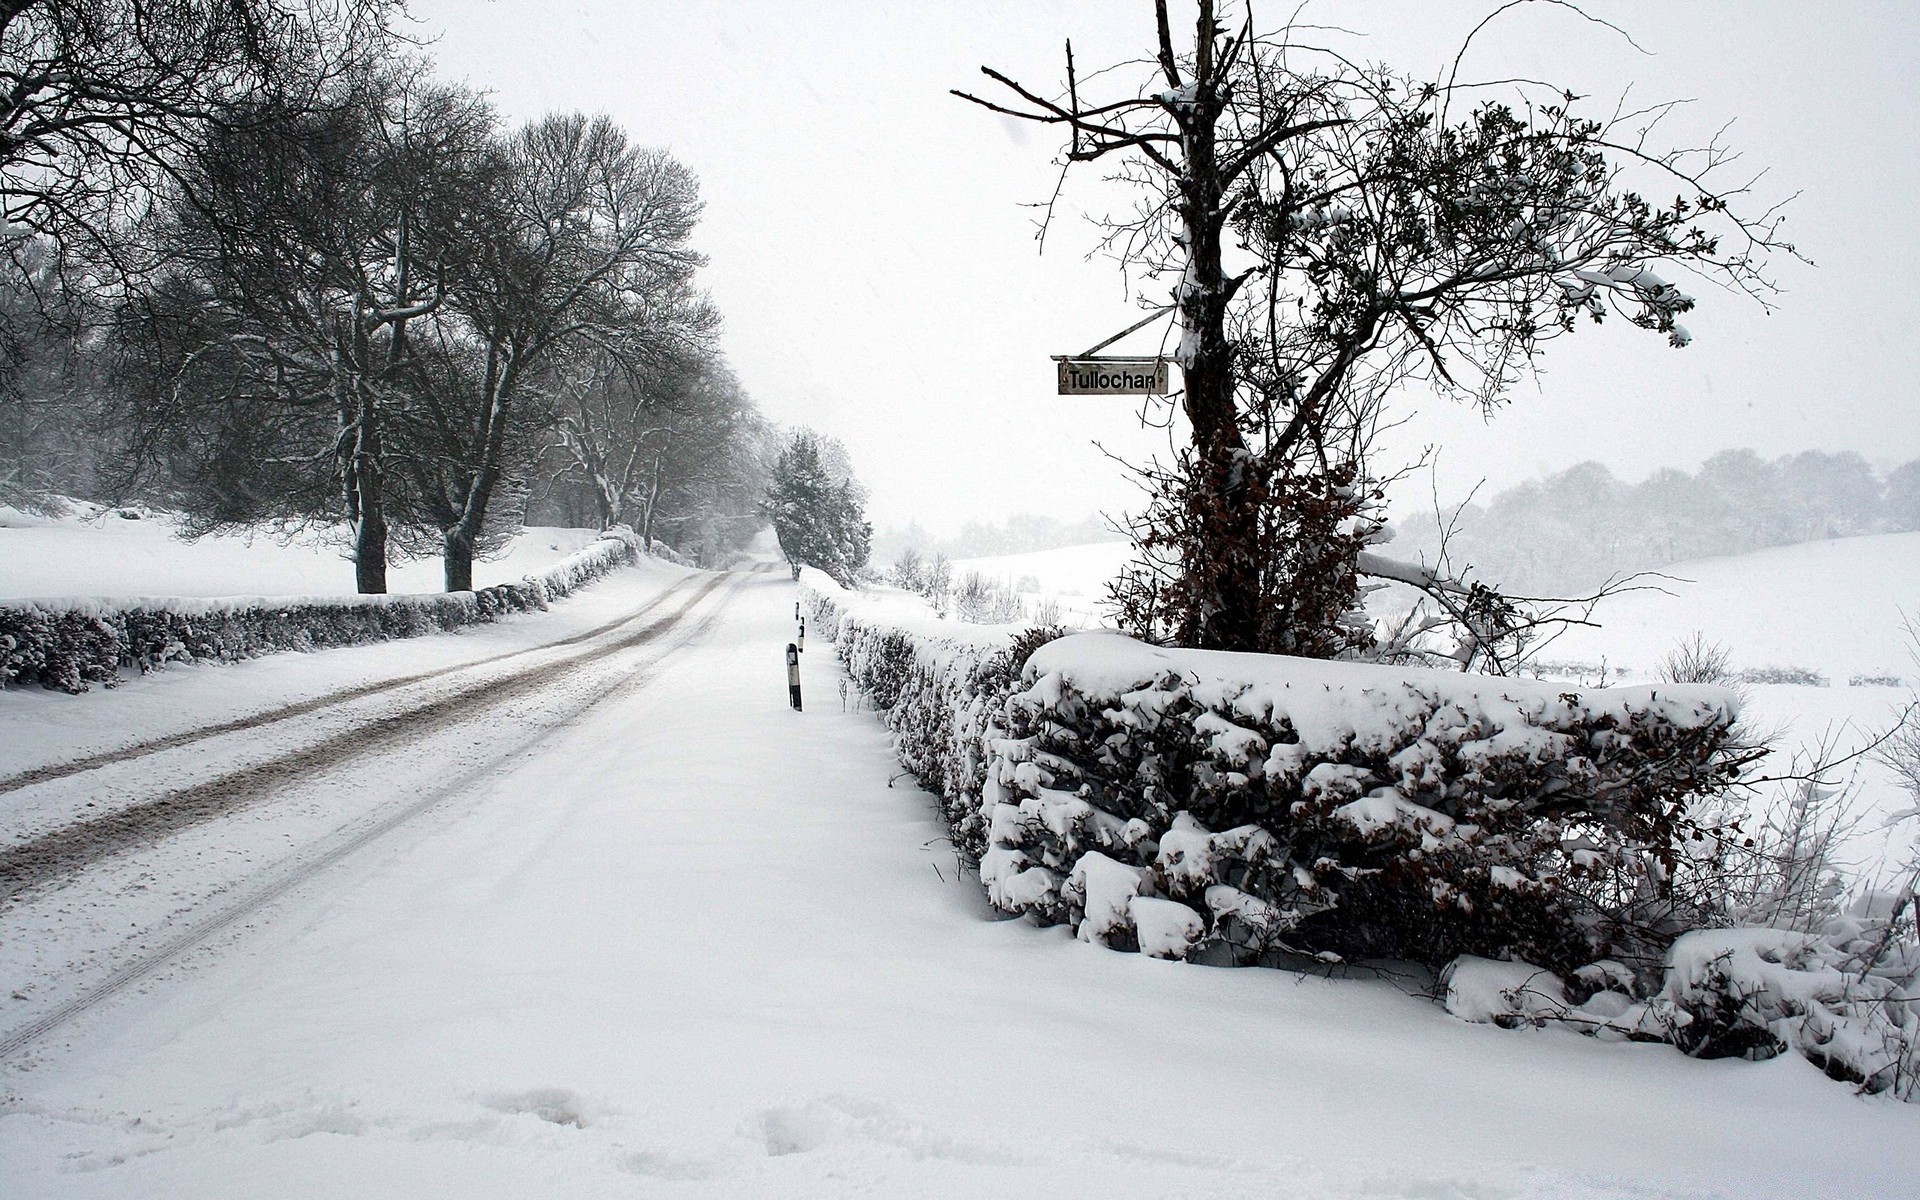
{"x":798,"y":1129}
{"x":555,"y":1106}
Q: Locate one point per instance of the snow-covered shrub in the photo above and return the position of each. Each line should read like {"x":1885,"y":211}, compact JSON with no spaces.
{"x":1346,"y":809}
{"x":981,"y":600}
{"x":1338,"y":810}
{"x":929,"y":577}
{"x":1780,"y":865}
{"x":1844,"y":997}
{"x":68,"y":645}
{"x":659,"y":549}
{"x":1508,"y":994}
{"x":1696,"y":660}
{"x":1875,"y":679}
{"x":881,"y":659}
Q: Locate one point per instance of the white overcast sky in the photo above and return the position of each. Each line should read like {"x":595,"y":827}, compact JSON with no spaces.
{"x":879,"y":277}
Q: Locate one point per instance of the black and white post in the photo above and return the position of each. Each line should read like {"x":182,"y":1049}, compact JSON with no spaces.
{"x":793,"y":675}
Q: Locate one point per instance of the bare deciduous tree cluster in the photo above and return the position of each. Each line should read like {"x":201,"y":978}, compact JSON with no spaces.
{"x":314,"y":285}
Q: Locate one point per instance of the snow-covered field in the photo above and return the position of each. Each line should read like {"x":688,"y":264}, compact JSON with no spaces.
{"x":1837,"y":608}
{"x":1076,"y":576}
{"x":98,"y":552}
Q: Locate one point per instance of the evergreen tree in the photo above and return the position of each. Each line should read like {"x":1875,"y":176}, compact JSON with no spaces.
{"x":819,"y":520}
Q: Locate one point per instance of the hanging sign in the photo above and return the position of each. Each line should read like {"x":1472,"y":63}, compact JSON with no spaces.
{"x":1112,"y":376}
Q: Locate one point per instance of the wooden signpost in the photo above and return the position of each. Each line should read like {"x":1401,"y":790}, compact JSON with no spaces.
{"x":1092,"y":374}
{"x":1112,"y":376}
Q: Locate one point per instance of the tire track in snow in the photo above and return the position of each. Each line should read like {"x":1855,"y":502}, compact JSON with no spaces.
{"x":60,"y":852}
{"x":93,"y":762}
{"x":344,"y":842}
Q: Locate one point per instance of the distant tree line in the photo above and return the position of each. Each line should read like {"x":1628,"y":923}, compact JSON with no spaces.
{"x":262,"y":268}
{"x":1572,"y":530}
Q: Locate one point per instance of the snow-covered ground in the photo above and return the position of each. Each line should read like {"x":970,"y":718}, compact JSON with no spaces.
{"x":98,"y":552}
{"x":692,"y":943}
{"x":1076,"y":576}
{"x":1835,"y":607}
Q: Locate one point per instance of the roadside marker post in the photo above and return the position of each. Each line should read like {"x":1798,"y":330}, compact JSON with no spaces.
{"x":793,"y":675}
{"x":803,"y":635}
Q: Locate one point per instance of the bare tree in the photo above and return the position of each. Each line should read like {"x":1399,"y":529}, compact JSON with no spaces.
{"x":300,"y":250}
{"x":100,"y":99}
{"x":703,"y":491}
{"x":1330,"y":232}
{"x":585,"y":237}
{"x":619,"y":414}
{"x":49,"y":393}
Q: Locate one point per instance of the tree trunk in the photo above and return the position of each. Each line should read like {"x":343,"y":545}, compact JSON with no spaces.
{"x":360,"y":478}
{"x":1221,"y":567}
{"x":465,"y":533}
{"x":457,"y":556}
{"x":653,"y":500}
{"x":458,"y":541}
{"x":370,"y":531}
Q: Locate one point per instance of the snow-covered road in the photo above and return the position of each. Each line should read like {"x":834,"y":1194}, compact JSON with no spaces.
{"x":641,"y":930}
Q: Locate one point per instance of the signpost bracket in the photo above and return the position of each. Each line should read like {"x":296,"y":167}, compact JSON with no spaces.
{"x":1149,"y":319}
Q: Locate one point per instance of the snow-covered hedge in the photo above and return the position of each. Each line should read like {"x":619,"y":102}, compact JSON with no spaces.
{"x":935,"y":682}
{"x":1847,"y":998}
{"x":68,"y":644}
{"x":1251,"y":808}
{"x":1179,"y":801}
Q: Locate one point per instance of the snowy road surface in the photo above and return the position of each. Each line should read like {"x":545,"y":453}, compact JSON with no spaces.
{"x":605,"y":918}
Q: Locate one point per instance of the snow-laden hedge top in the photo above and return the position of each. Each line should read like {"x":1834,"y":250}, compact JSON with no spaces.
{"x":1330,"y":702}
